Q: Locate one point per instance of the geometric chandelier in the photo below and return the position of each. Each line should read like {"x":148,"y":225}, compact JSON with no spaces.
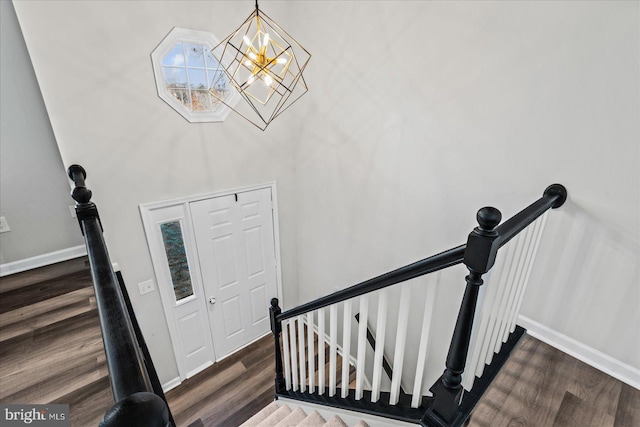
{"x":264,"y":64}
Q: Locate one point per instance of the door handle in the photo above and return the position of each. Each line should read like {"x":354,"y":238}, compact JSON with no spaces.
{"x":212,"y":301}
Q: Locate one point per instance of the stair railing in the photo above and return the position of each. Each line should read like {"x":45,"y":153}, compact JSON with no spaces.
{"x":139,"y":399}
{"x":492,"y":340}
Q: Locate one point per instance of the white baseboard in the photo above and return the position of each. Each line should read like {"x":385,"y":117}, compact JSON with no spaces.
{"x":599,"y":360}
{"x":42,"y":260}
{"x":171,"y":384}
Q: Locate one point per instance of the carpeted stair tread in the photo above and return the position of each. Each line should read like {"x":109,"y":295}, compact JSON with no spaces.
{"x":280,"y":414}
{"x":314,"y":419}
{"x":335,"y":421}
{"x":293,"y":418}
{"x":262,"y":415}
{"x":274,"y":415}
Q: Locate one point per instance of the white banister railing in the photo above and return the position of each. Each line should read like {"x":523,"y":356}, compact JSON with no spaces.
{"x":501,"y":298}
{"x":401,"y":338}
{"x":294,"y":354}
{"x":497,"y":310}
{"x":494,"y":292}
{"x":333,"y":347}
{"x":346,"y":347}
{"x":424,"y":345}
{"x":383,"y":302}
{"x":362,"y":345}
{"x":321,"y":352}
{"x":311,"y":352}
{"x":286,"y":353}
{"x":302,"y":365}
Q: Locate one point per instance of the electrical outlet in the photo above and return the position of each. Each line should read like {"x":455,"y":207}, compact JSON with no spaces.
{"x":4,"y":225}
{"x":146,"y":287}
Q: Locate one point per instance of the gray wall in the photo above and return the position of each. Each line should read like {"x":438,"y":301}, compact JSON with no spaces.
{"x":34,"y":193}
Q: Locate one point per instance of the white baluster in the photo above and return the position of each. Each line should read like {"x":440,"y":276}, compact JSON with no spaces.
{"x":483,"y":334}
{"x":285,"y":352}
{"x":333,"y":347}
{"x":301,"y":352}
{"x":516,"y":285}
{"x":383,"y":301}
{"x":321,"y":350}
{"x":510,"y":265}
{"x":346,"y":348}
{"x":294,"y":355}
{"x":362,"y":345}
{"x":401,"y":340}
{"x":496,"y":337}
{"x":536,"y":239}
{"x":499,"y":284}
{"x":424,"y":342}
{"x":312,"y":353}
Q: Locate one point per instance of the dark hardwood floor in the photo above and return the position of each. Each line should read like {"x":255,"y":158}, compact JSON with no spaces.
{"x":51,"y":352}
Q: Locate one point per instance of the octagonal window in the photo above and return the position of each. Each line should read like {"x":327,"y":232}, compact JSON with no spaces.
{"x":187,"y":73}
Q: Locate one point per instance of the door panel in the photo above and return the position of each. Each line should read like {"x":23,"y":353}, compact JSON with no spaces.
{"x":235,"y":240}
{"x":172,"y":251}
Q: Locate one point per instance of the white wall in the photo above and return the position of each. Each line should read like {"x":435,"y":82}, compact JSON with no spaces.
{"x":34,"y":194}
{"x":422,"y":112}
{"x":93,"y":63}
{"x":418,"y":114}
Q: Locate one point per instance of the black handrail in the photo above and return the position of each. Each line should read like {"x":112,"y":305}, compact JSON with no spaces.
{"x":482,"y":247}
{"x":478,"y":255}
{"x":131,"y":384}
{"x":419,"y":268}
{"x":553,"y":197}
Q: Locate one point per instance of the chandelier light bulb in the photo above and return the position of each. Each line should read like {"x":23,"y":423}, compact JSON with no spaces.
{"x":246,"y":40}
{"x":268,"y":80}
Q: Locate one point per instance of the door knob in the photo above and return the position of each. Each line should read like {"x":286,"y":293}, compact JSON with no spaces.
{"x":212,"y":301}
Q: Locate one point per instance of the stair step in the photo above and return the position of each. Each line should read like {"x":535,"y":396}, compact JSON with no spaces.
{"x":293,"y":419}
{"x":275,"y":415}
{"x":263,"y":414}
{"x":313,"y":419}
{"x":335,"y":421}
{"x":280,"y":414}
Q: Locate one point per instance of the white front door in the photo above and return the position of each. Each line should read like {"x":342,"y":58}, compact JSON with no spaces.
{"x":172,"y":247}
{"x":236,"y":253}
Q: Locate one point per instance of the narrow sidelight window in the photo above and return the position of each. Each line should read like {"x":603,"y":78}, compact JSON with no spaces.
{"x":177,"y":259}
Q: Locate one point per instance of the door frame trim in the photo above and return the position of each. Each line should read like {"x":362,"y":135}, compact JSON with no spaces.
{"x":146,"y":214}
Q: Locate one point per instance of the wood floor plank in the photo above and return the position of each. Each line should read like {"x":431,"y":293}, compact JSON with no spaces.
{"x":42,"y":291}
{"x":192,"y":397}
{"x":88,"y":404}
{"x":31,"y":318}
{"x":574,"y":411}
{"x":41,"y":274}
{"x":628,"y":411}
{"x":595,"y":390}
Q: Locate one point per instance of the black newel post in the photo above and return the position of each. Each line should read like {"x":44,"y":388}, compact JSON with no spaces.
{"x":276,"y":328}
{"x":479,"y":257}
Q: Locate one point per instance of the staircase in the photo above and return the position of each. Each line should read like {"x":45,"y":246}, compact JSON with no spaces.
{"x":484,"y":335}
{"x":281,"y":415}
{"x":51,"y":348}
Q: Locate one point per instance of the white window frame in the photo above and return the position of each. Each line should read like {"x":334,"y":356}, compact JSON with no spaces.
{"x":204,"y":38}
